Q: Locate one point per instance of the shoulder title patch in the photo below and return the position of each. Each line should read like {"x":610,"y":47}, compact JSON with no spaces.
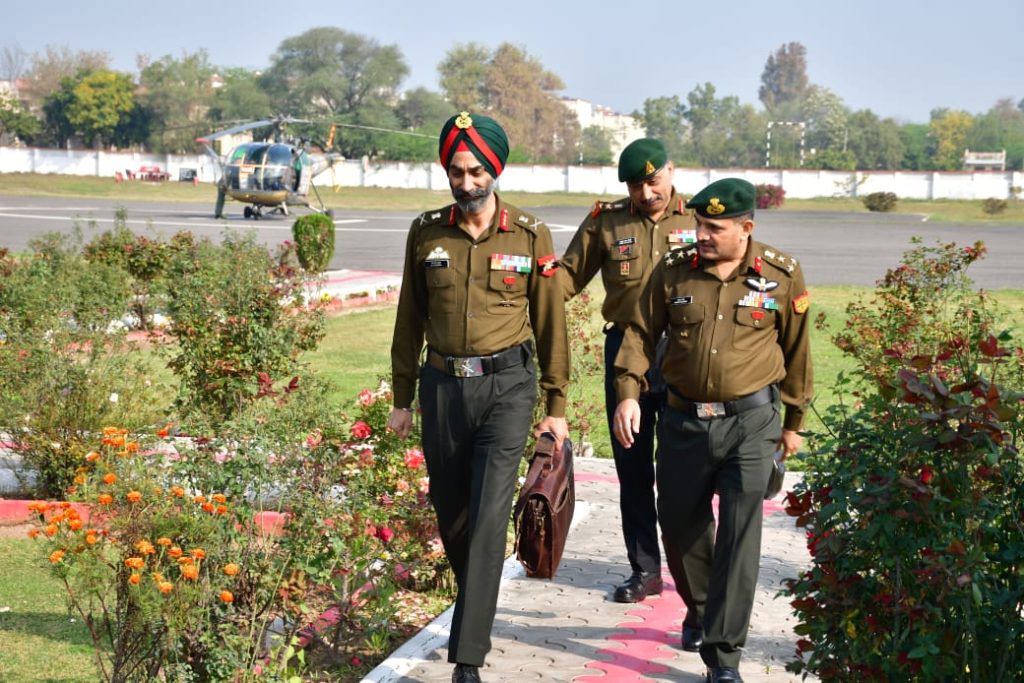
{"x":802,"y":303}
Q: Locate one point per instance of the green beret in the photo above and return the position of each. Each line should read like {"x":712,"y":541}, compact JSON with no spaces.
{"x":724,"y":198}
{"x":641,"y":159}
{"x":476,"y":133}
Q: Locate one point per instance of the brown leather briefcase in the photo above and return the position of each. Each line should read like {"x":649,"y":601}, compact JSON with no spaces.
{"x":543,"y":512}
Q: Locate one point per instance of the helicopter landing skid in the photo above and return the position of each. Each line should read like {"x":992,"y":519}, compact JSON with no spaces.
{"x":256,"y":211}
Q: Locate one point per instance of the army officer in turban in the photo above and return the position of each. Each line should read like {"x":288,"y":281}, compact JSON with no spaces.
{"x":479,"y":288}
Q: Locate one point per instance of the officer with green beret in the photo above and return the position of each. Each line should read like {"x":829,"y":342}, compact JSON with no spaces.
{"x":623,"y":240}
{"x":480,"y":288}
{"x":735,"y":314}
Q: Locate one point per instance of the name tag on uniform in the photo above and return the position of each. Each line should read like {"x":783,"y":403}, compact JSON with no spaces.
{"x":437,"y":263}
{"x":625,"y":240}
{"x":680,"y":300}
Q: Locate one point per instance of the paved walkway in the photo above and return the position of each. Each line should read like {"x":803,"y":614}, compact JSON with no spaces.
{"x":569,"y":629}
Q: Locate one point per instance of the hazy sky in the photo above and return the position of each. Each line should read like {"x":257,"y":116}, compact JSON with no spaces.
{"x":898,"y":58}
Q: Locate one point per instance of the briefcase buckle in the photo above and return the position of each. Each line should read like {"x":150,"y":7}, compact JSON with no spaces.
{"x":707,"y":411}
{"x":466,"y":367}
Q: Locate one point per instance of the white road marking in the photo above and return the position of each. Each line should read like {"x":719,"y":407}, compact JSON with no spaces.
{"x":191,"y":224}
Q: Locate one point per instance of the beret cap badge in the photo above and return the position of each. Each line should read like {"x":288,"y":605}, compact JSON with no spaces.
{"x":649,"y":168}
{"x":464,"y":120}
{"x":715,"y":207}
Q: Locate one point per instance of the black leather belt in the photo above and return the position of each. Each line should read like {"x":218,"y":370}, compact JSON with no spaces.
{"x":476,"y":366}
{"x":711,"y":410}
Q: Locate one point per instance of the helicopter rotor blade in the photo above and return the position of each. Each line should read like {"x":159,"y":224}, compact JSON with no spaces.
{"x":384,"y":130}
{"x":277,"y":123}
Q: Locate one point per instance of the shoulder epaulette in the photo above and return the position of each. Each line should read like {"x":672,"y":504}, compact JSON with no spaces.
{"x":604,"y":207}
{"x":778,"y":260}
{"x":522,"y":219}
{"x":437,"y":216}
{"x":674,"y":257}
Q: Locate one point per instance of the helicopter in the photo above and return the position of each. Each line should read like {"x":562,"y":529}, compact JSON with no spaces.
{"x":275,"y":174}
{"x":268,"y":174}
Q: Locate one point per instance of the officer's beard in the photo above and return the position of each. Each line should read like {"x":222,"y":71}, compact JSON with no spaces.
{"x":473,"y":200}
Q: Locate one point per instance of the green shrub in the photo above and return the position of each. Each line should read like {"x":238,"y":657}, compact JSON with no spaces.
{"x":314,"y":241}
{"x":911,"y":499}
{"x":880,"y":201}
{"x":993,"y":206}
{"x":770,"y":196}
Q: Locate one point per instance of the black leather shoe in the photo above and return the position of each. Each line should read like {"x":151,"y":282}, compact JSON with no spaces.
{"x":723,"y":674}
{"x":466,"y":673}
{"x":693,"y":638}
{"x":638,"y":586}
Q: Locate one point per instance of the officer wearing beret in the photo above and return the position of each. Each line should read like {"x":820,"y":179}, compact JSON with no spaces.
{"x":623,"y":240}
{"x":735,"y":313}
{"x":479,"y":287}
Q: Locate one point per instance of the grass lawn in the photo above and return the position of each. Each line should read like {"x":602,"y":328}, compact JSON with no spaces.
{"x":386,"y":198}
{"x":39,"y":640}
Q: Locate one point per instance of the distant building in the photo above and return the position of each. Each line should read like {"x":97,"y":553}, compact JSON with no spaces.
{"x":984,"y":161}
{"x":622,"y":129}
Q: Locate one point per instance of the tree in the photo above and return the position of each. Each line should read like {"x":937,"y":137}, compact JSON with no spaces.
{"x":664,"y":118}
{"x":724,"y":133}
{"x":914,"y":137}
{"x":875,"y":143}
{"x":784,"y":79}
{"x":332,"y":73}
{"x":101,"y":101}
{"x":178,"y":94}
{"x":241,"y":97}
{"x":947,"y":133}
{"x":1001,"y":127}
{"x":825,"y":115}
{"x":595,"y":146}
{"x":15,"y":122}
{"x":48,"y":70}
{"x":463,"y":74}
{"x":13,"y":61}
{"x":421,"y":108}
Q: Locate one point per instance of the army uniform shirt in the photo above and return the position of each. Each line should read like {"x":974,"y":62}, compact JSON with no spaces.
{"x":727,"y":338}
{"x":624,"y":244}
{"x":476,"y":298}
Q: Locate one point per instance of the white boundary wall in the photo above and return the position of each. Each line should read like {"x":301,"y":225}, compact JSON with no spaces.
{"x":600,"y":180}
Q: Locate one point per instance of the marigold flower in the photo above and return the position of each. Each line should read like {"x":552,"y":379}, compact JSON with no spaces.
{"x":79,"y":479}
{"x":226,"y":596}
{"x":110,"y":431}
{"x":109,"y":478}
{"x":162,"y":433}
{"x":145,"y":547}
{"x":32,"y":533}
{"x":134,"y":579}
{"x":56,"y":556}
{"x":135,"y":563}
{"x":92,"y":456}
{"x":185,"y":560}
{"x":198,"y":553}
{"x":232,"y":569}
{"x":51,"y":530}
{"x":71,"y":490}
{"x":165,"y":587}
{"x":39,"y":506}
{"x":134,"y":496}
{"x":208,"y":507}
{"x":177,"y":491}
{"x":163,"y":540}
{"x":200,"y":499}
{"x":174,"y":551}
{"x":157,"y":577}
{"x":90,"y":538}
{"x":131,"y":447}
{"x":222,"y":509}
{"x":75,"y":524}
{"x":105,"y":499}
{"x":190,"y":572}
{"x":219,"y":498}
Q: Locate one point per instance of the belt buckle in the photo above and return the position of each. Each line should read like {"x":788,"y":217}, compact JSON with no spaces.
{"x":707,"y":411}
{"x":466,"y":367}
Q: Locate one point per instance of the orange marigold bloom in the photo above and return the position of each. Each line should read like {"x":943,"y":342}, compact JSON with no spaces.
{"x":32,"y":533}
{"x":134,"y":496}
{"x":132,"y":447}
{"x":165,"y":587}
{"x":178,"y":491}
{"x":200,"y":499}
{"x":134,"y":579}
{"x":135,"y":563}
{"x":39,"y":506}
{"x":174,"y":551}
{"x":51,"y":530}
{"x":79,"y":478}
{"x":145,"y":547}
{"x":198,"y":553}
{"x":56,"y":556}
{"x":158,"y":577}
{"x":208,"y":507}
{"x":90,"y":538}
{"x":163,"y":540}
{"x":190,"y":572}
{"x":226,"y":596}
{"x":222,"y":509}
{"x":162,"y":433}
{"x":105,"y":499}
{"x":232,"y":569}
{"x":109,"y":478}
{"x":76,"y":524}
{"x":185,"y":560}
{"x":71,"y":489}
{"x":92,"y":456}
{"x":219,"y":498}
{"x":116,"y":441}
{"x":110,"y":431}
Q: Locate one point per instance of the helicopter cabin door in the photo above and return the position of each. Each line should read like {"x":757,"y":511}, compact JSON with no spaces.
{"x":303,"y":174}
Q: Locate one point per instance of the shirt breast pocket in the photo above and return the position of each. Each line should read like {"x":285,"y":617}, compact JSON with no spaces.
{"x":753,"y":327}
{"x":442,"y":294}
{"x":623,"y":266}
{"x":506,"y":292}
{"x":686,"y":322}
